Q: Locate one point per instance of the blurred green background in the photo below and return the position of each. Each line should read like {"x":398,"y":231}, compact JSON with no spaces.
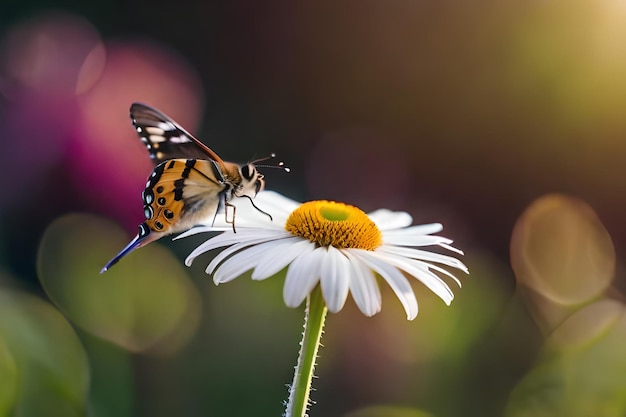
{"x":502,"y":120}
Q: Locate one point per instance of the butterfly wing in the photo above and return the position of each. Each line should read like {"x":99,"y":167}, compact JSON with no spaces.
{"x":165,"y":139}
{"x":182,"y":193}
{"x":179,"y":194}
{"x":189,"y":184}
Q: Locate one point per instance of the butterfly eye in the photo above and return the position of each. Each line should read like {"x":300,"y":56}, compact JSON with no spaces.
{"x":247,"y":171}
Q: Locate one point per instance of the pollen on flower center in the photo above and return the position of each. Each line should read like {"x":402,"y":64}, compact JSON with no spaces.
{"x":328,"y":223}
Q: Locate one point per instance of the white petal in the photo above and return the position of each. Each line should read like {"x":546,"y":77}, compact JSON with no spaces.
{"x":445,"y":272}
{"x":239,"y":262}
{"x":247,"y":217}
{"x":200,"y":229}
{"x":396,"y":280}
{"x":224,"y":254}
{"x":419,"y":270}
{"x":285,"y":251}
{"x":416,"y":235}
{"x":272,"y":202}
{"x":403,"y":239}
{"x":446,"y":245}
{"x":423,"y":255}
{"x":335,"y":279}
{"x":233,"y":267}
{"x":302,"y":276}
{"x":249,"y":237}
{"x":363,"y":286}
{"x":389,"y":220}
{"x":233,"y":249}
{"x":421,"y":229}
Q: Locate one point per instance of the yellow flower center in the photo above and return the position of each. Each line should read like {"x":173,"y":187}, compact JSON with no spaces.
{"x":327,"y":223}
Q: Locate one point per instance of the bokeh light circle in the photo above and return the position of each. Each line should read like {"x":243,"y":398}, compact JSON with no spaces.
{"x":561,"y":250}
{"x":52,"y":53}
{"x":146,"y":302}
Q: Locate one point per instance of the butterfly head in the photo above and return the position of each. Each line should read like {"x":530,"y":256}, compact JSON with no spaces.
{"x":144,"y":236}
{"x":252,"y":181}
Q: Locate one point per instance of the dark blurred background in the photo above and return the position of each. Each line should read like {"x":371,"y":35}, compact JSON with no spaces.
{"x":458,"y":112}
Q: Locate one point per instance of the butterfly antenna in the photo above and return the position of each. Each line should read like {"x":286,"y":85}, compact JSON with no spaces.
{"x":279,"y":165}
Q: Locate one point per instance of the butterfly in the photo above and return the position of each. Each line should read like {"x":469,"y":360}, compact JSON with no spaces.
{"x":190,"y":183}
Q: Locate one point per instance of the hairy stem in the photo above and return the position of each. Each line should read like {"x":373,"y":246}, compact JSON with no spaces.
{"x":315,"y":315}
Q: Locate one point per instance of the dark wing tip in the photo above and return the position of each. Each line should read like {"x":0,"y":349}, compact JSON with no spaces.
{"x":142,"y":238}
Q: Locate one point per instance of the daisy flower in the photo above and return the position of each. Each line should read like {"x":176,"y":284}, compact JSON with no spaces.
{"x":334,"y":245}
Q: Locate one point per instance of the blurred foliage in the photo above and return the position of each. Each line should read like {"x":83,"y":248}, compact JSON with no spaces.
{"x":9,"y":378}
{"x":386,"y":411}
{"x":46,"y":372}
{"x":564,"y":261}
{"x":582,"y":381}
{"x":146,"y":303}
{"x":458,"y":112}
{"x":111,"y":392}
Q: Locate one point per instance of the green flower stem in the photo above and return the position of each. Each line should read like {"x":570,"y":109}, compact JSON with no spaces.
{"x":315,"y":316}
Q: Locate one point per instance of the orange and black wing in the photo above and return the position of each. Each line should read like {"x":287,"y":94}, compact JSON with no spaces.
{"x":179,"y":194}
{"x":182,"y":193}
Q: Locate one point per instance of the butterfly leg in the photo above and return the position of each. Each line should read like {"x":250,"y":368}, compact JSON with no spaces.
{"x":228,"y":204}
